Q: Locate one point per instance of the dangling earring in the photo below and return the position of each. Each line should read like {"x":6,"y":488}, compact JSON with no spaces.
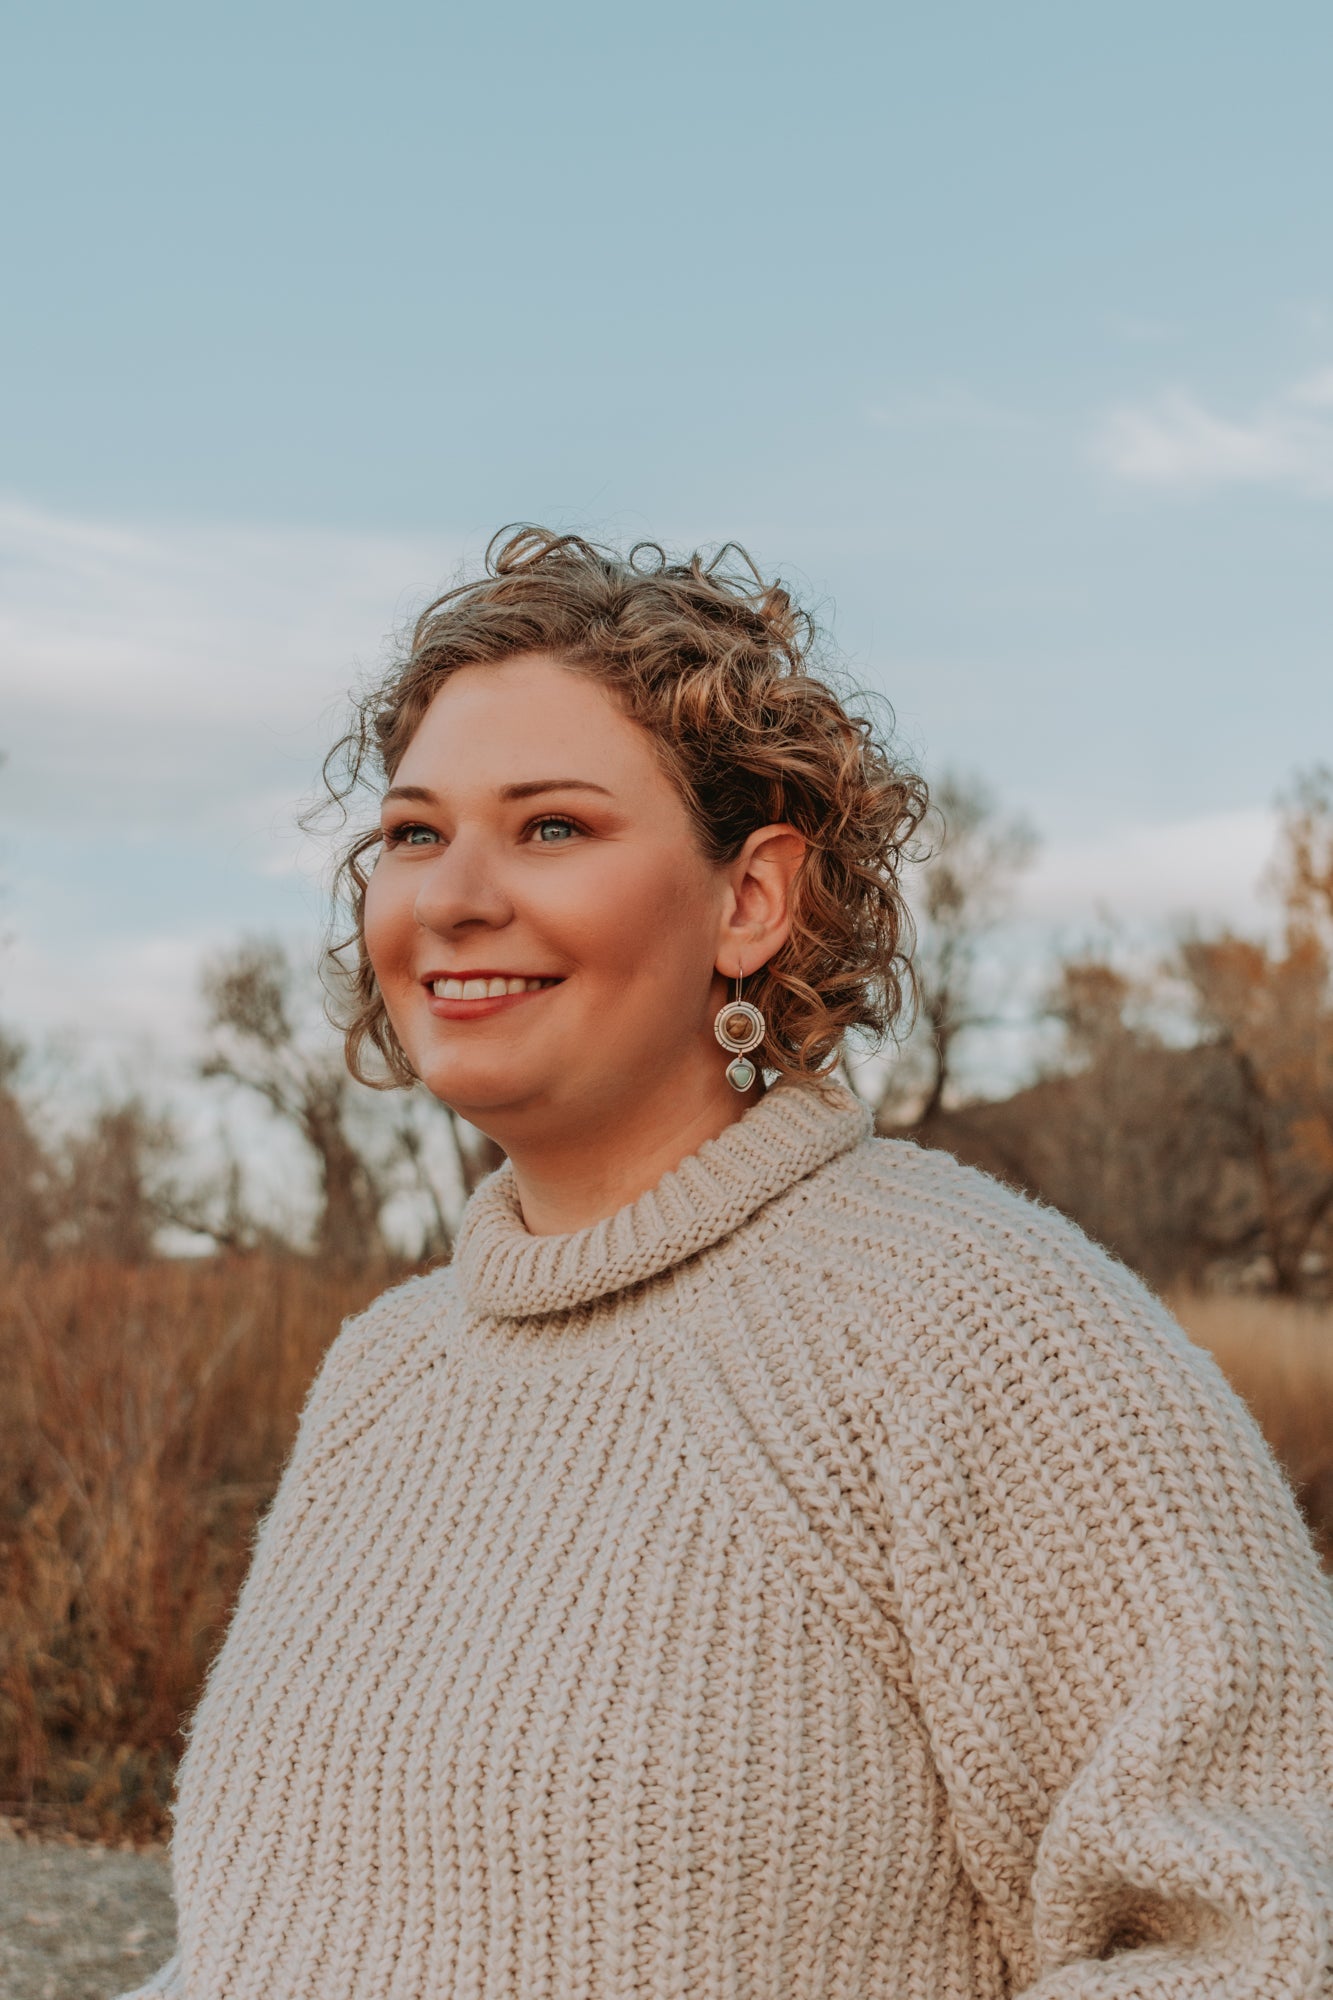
{"x":739,"y":1026}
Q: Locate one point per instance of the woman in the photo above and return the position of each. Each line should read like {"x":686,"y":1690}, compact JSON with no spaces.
{"x":770,"y":1560}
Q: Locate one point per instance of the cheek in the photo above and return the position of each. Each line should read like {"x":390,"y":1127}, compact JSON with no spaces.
{"x":386,"y":923}
{"x":644,"y":917}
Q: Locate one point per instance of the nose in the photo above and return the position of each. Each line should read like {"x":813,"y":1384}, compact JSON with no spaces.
{"x":459,"y":889}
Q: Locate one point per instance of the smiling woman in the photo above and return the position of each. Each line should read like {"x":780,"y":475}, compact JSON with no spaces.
{"x":771,"y":1559}
{"x":607,"y":923}
{"x":620,"y":781}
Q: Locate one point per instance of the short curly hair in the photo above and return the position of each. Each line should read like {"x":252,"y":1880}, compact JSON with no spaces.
{"x":718,"y":666}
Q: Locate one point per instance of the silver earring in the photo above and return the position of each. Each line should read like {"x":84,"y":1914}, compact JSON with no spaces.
{"x":739,"y":1027}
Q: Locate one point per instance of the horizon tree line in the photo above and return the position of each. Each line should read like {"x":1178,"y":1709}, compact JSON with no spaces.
{"x":1181,"y":1112}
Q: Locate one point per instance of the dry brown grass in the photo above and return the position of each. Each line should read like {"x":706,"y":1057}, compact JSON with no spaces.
{"x":144,"y":1419}
{"x":1279,"y":1357}
{"x":145,"y":1416}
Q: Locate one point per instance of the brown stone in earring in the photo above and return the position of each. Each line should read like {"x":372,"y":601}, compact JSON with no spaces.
{"x":739,"y":1027}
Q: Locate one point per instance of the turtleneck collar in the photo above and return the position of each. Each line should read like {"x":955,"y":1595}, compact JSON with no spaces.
{"x":503,"y":1269}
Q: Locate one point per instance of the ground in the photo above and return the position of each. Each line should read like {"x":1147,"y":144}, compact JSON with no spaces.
{"x":80,"y":1922}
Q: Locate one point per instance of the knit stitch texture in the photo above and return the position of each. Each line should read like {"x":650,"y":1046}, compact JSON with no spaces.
{"x":829,"y":1578}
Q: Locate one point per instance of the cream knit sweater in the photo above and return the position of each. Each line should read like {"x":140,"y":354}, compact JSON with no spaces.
{"x":828,"y":1578}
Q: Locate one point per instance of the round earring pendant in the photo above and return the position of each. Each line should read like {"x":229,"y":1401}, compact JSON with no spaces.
{"x":741,"y":1073}
{"x":739,"y":1027}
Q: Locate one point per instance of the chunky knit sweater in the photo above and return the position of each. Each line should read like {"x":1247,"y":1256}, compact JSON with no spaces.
{"x":828,"y":1578}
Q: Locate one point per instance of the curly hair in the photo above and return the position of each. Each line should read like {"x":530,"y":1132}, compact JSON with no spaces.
{"x":717,"y":665}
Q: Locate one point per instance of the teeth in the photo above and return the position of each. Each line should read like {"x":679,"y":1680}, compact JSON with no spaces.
{"x":485,"y":989}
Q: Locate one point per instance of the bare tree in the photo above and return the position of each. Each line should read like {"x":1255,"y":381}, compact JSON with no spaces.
{"x":437,"y":1240}
{"x":478,"y":1154}
{"x":965,"y":887}
{"x":1121,"y":1131}
{"x":250,"y":997}
{"x":1128,"y":1132}
{"x":216,"y":1206}
{"x":1269,"y":1011}
{"x":109,"y":1183}
{"x":26,"y":1173}
{"x":1302,"y":873}
{"x":24,"y":1167}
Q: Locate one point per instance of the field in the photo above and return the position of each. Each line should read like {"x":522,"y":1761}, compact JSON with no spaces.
{"x":1279,"y":1357}
{"x":146,"y":1415}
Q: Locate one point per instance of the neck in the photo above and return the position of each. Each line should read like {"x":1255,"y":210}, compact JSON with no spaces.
{"x":589,"y":1167}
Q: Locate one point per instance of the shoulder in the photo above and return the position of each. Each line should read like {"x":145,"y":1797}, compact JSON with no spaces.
{"x":401,"y":1305}
{"x":369,"y":1352}
{"x":997,"y":1350}
{"x":966,"y":1279}
{"x":1028,"y":1400}
{"x":910,"y":1206}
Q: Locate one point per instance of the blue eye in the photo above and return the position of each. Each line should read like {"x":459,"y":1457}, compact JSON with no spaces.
{"x":403,"y":835}
{"x":562,"y":828}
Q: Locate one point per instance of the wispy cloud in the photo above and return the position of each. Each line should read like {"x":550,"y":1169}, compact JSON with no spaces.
{"x":1177,"y":441}
{"x":1209,"y":868}
{"x":151,"y":672}
{"x":126,"y":995}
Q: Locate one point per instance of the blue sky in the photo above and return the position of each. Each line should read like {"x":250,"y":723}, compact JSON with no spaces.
{"x":1005,"y":334}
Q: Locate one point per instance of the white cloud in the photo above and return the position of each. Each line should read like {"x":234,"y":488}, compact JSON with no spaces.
{"x":155,"y":672}
{"x":195,"y":621}
{"x":1176,"y":441}
{"x":1208,"y":867}
{"x":1316,"y":390}
{"x":123,"y":1010}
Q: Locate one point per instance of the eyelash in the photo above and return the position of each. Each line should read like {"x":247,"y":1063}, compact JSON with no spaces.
{"x":560,"y":819}
{"x":396,"y":836}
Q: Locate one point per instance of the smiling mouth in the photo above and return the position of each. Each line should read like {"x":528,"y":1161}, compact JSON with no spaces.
{"x":494,"y":986}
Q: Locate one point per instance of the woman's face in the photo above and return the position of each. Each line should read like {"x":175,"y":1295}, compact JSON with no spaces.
{"x":541,"y":921}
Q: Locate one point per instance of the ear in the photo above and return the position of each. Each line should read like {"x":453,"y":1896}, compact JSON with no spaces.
{"x":756,"y":914}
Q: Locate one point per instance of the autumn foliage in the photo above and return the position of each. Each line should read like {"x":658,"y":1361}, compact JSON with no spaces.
{"x":1185,"y":1117}
{"x":147,"y":1412}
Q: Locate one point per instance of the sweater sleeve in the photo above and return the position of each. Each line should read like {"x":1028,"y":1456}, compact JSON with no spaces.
{"x":362,"y":1365}
{"x":165,"y":1984}
{"x":355,"y":1374}
{"x":1121,"y":1639}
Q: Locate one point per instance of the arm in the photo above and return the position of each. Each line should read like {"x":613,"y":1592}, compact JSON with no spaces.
{"x":1121,"y":1638}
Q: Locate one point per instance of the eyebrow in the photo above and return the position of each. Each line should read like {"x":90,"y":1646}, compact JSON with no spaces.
{"x":527,"y":790}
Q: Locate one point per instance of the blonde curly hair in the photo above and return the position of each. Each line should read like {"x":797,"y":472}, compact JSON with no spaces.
{"x":716,"y":664}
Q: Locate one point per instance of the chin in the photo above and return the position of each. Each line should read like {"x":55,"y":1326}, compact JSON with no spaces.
{"x":475,"y":1087}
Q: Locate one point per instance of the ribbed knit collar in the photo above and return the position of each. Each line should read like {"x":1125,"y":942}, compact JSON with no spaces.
{"x":502,"y":1268}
